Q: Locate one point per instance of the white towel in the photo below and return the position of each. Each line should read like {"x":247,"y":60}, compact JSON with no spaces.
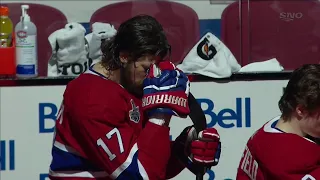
{"x":271,"y":65}
{"x":210,"y":57}
{"x":69,"y":57}
{"x":74,"y":25}
{"x":100,"y":32}
{"x":53,"y":63}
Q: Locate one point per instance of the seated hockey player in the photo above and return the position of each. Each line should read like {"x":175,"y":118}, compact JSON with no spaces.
{"x":282,"y":149}
{"x":114,"y":119}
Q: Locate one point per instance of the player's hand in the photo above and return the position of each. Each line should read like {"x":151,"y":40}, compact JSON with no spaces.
{"x":166,"y":91}
{"x":205,"y":148}
{"x":199,"y":149}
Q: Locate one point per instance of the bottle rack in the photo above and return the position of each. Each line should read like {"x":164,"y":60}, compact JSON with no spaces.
{"x":8,"y":59}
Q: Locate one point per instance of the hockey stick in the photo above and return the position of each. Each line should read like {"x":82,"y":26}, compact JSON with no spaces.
{"x":199,"y":121}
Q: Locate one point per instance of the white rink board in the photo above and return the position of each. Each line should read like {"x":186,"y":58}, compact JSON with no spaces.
{"x":26,"y":125}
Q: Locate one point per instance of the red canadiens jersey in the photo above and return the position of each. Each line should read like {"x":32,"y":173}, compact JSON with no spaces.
{"x":101,"y":133}
{"x":271,"y":154}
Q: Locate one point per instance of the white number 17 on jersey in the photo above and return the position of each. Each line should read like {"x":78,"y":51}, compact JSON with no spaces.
{"x":109,"y":136}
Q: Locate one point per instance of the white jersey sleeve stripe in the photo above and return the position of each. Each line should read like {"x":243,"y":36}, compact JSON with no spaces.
{"x":130,"y":161}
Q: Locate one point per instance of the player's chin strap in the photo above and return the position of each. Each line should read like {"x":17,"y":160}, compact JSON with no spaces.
{"x":199,"y":121}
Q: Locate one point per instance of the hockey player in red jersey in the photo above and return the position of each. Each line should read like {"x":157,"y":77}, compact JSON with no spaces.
{"x":114,"y":119}
{"x":281,"y":149}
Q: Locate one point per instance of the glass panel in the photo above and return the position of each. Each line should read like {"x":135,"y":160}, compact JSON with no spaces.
{"x":286,"y":30}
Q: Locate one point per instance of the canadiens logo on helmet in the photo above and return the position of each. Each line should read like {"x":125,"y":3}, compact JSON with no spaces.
{"x":205,"y":50}
{"x":134,"y":113}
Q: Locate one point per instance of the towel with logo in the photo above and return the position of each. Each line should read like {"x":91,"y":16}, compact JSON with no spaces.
{"x":210,"y":57}
{"x":69,"y":51}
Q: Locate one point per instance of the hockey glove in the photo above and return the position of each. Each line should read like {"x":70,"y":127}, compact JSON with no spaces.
{"x":166,"y":90}
{"x":203,"y":149}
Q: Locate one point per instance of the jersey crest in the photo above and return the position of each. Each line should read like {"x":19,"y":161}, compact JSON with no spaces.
{"x":134,"y":113}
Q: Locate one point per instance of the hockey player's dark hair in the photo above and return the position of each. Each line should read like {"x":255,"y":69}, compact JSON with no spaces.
{"x":302,"y":89}
{"x":137,"y":36}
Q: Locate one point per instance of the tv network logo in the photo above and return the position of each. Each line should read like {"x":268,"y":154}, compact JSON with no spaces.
{"x":7,"y":155}
{"x":228,"y":118}
{"x":47,"y":112}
